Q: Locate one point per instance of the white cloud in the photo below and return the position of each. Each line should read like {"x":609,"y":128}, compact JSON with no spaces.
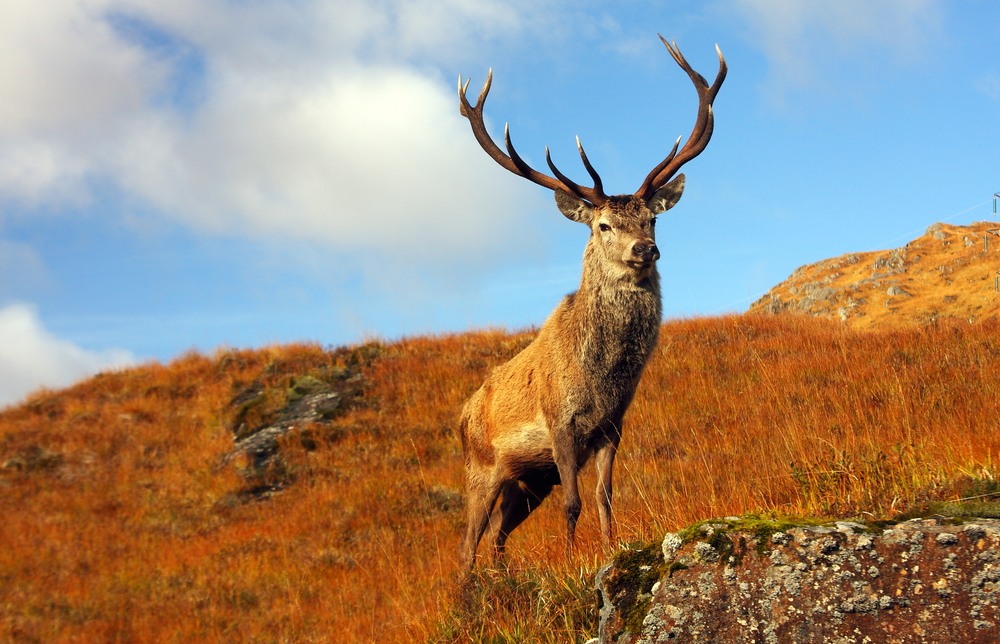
{"x":65,"y":77}
{"x":37,"y":172}
{"x":31,"y":357}
{"x":370,"y":158}
{"x":49,"y":72}
{"x":806,"y":41}
{"x":313,"y":120}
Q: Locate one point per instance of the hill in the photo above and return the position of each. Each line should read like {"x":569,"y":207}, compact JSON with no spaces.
{"x":298,"y":493}
{"x":949,"y":272}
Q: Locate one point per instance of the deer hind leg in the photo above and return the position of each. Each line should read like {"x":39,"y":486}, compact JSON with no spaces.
{"x":481,"y":493}
{"x":520,"y":498}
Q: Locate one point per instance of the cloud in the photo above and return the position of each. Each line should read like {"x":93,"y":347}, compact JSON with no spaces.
{"x":48,"y":75}
{"x":370,"y":159}
{"x":326,"y":122}
{"x":31,"y":357}
{"x":805,"y":42}
{"x":65,"y":76}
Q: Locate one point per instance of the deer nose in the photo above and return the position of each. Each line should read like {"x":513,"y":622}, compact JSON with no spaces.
{"x":646,"y":252}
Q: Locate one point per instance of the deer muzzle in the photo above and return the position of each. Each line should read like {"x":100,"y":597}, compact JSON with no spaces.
{"x":645,"y":252}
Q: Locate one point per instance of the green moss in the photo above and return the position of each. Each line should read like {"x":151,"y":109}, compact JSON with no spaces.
{"x":963,"y":498}
{"x":254,"y":406}
{"x":716,"y":532}
{"x":635,"y":570}
{"x":303,"y":386}
{"x":957,"y":511}
{"x":763,"y":528}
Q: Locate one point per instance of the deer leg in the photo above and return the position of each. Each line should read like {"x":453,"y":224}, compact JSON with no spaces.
{"x":566,"y":462}
{"x":604,"y":462}
{"x":514,"y":508}
{"x":481,"y":496}
{"x":520,"y":498}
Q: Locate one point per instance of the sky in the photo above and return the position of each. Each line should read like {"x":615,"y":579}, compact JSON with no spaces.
{"x":209,"y":174}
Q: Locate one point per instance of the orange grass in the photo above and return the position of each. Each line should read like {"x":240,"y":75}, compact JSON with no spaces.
{"x":121,"y":521}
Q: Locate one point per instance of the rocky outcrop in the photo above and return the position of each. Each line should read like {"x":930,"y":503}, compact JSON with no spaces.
{"x":949,"y":272}
{"x":308,"y":400}
{"x":752,"y":580}
{"x":264,"y":418}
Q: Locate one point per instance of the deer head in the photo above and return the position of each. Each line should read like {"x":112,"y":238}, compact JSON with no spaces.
{"x":621,"y":225}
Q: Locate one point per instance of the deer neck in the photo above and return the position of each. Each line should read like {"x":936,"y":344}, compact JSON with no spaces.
{"x":619,"y":315}
{"x":604,"y":285}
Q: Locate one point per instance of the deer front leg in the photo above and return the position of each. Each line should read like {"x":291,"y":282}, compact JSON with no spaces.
{"x":604,"y":462}
{"x":567,"y":464}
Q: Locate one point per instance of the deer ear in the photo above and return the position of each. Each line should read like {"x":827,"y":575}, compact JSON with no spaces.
{"x":573,"y":207}
{"x":666,"y":197}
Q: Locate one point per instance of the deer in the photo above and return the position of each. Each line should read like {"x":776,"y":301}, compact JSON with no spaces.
{"x":540,"y":417}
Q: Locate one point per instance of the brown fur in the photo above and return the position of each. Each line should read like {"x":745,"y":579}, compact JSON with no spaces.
{"x":539,"y":418}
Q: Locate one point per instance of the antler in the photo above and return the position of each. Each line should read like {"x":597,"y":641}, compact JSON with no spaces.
{"x":513,"y":162}
{"x":657,"y":178}
{"x":703,"y":127}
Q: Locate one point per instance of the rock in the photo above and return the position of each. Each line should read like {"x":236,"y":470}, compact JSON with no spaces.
{"x":742,"y":580}
{"x":817,"y":292}
{"x":309,"y":404}
{"x":891,"y":263}
{"x":319,"y":404}
{"x":33,"y":459}
{"x":772,"y":304}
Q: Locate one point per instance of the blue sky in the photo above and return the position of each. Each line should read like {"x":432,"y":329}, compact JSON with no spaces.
{"x":201,"y":173}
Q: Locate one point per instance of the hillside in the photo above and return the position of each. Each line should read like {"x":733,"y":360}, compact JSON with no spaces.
{"x":298,"y":493}
{"x":948,"y":272}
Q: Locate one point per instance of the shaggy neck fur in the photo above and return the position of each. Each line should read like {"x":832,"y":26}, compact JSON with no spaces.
{"x":618,"y":320}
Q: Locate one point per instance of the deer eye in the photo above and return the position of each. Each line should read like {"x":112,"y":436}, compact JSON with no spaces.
{"x":604,"y":228}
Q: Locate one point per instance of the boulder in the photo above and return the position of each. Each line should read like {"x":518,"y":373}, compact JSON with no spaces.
{"x":760,"y":580}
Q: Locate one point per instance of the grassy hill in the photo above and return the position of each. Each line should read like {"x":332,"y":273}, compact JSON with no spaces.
{"x":950,"y":271}
{"x":127,"y":515}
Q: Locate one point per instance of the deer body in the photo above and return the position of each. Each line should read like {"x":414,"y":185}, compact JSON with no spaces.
{"x":539,"y":418}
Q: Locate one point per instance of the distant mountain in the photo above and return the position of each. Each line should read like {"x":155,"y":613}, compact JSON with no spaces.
{"x":948,"y":272}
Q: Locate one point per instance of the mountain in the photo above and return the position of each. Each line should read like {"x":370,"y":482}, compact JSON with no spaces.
{"x":948,"y":272}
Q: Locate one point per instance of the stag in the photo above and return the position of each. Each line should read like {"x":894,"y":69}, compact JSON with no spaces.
{"x":538,"y":418}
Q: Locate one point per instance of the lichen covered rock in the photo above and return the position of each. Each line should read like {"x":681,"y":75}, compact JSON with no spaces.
{"x":740,"y":580}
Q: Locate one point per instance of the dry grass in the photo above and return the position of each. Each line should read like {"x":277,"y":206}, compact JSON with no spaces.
{"x":120,"y":523}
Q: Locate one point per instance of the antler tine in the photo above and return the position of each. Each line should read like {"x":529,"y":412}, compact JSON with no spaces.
{"x":475,"y":115}
{"x":598,"y":184}
{"x":596,"y":193}
{"x":526,"y":171}
{"x":513,"y":162}
{"x":703,"y":127}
